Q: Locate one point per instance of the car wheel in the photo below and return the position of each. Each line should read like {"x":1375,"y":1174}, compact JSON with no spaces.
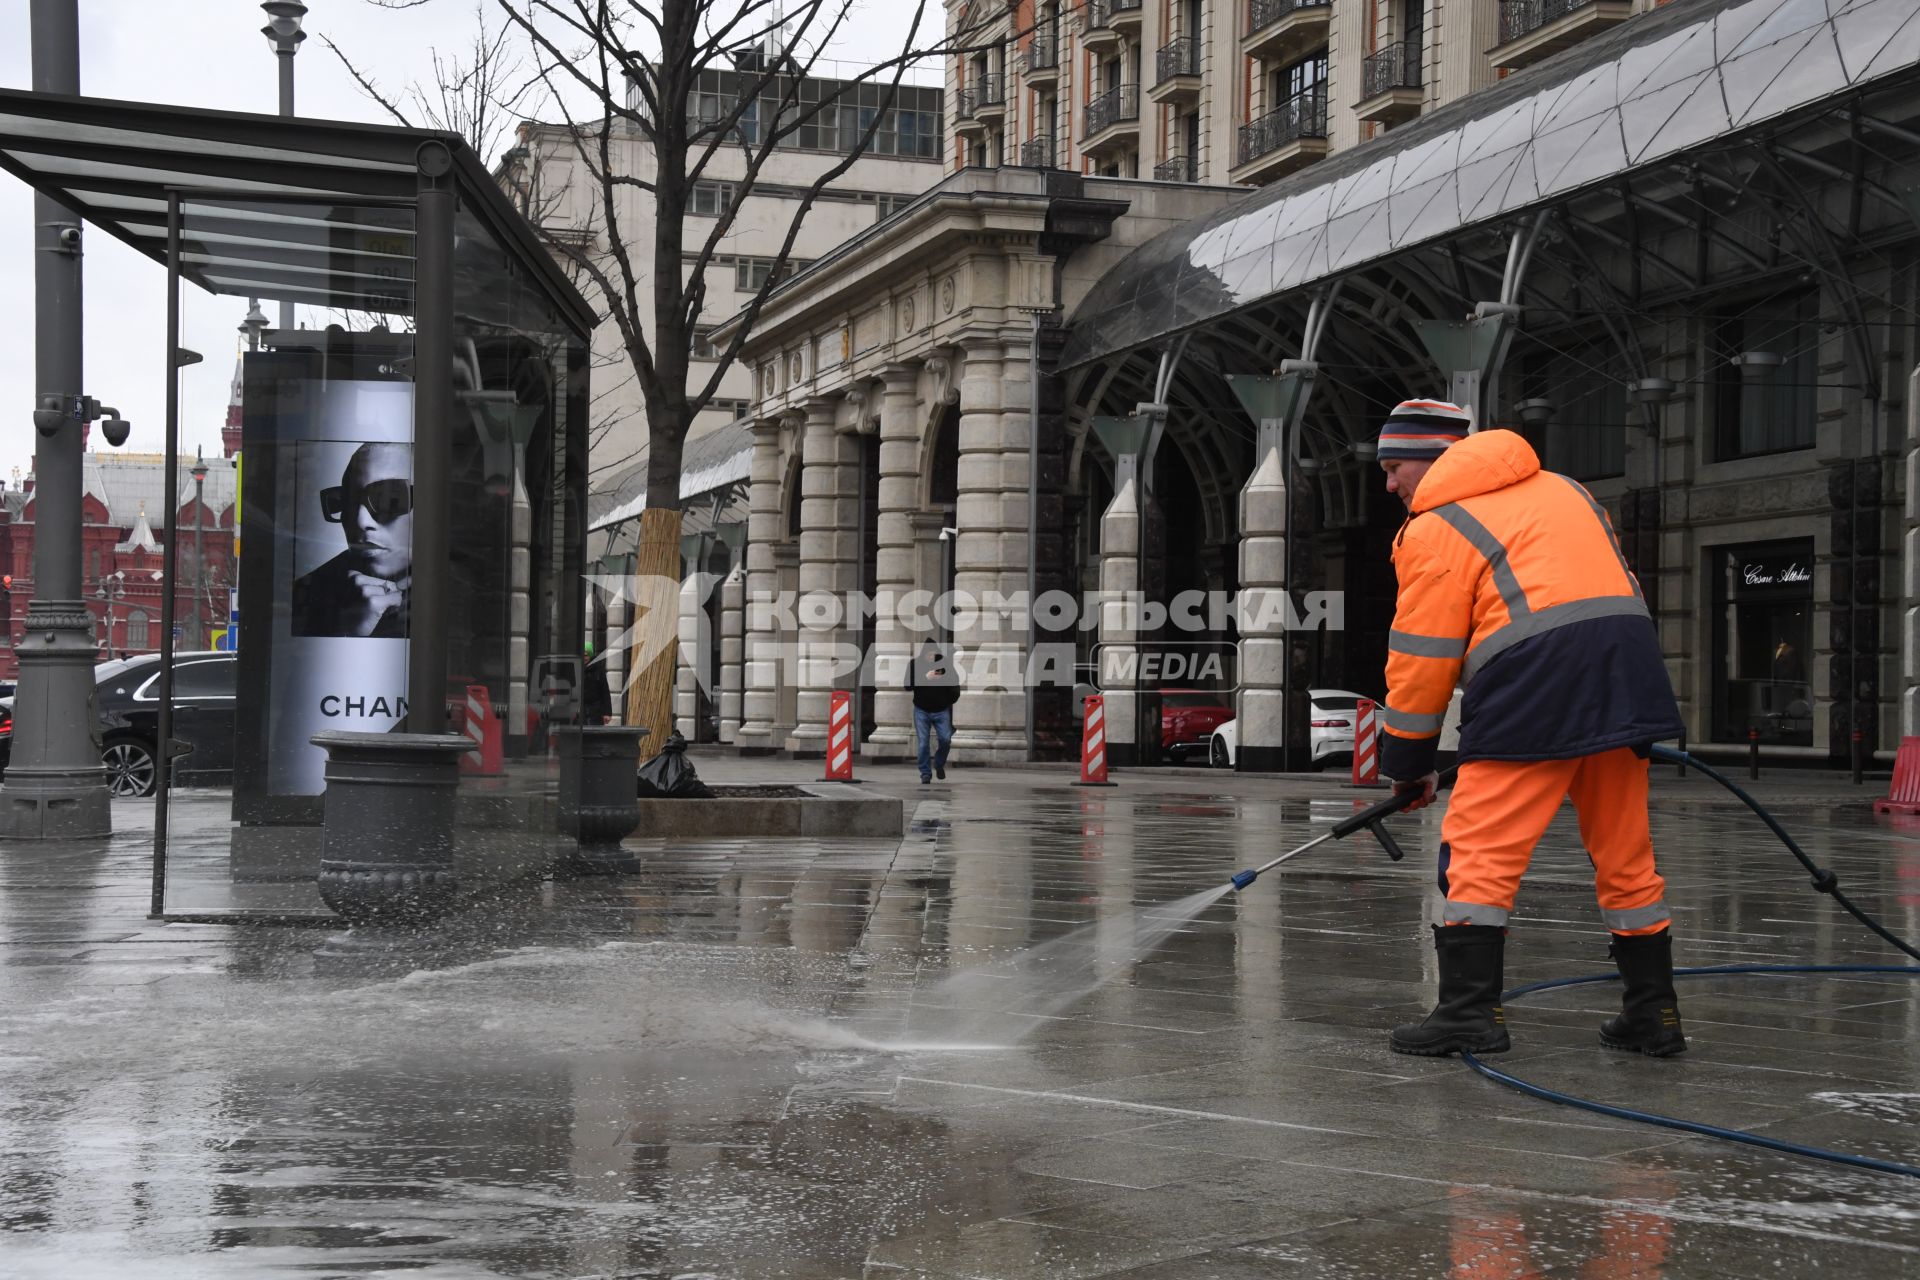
{"x":1217,"y":755}
{"x":130,"y":768}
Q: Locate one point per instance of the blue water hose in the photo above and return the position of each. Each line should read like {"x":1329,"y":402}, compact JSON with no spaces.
{"x":1826,"y":882}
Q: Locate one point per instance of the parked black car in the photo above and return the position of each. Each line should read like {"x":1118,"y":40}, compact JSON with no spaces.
{"x":128,"y":693}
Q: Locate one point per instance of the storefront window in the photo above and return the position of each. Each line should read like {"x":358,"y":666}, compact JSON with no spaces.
{"x":1763,"y":642}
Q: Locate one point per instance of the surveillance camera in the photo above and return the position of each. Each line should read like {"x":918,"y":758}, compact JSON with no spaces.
{"x":115,"y":430}
{"x":70,"y":239}
{"x":47,"y":415}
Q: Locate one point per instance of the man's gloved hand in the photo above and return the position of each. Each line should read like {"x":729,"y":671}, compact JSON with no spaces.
{"x":1425,"y":786}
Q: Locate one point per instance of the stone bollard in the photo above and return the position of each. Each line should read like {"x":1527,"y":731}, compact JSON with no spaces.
{"x":599,"y":805}
{"x":387,"y":855}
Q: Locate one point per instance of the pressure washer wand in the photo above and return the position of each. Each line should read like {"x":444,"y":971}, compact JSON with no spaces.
{"x":1371,"y":818}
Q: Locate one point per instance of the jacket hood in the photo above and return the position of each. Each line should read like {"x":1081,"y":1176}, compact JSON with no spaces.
{"x":1482,"y":463}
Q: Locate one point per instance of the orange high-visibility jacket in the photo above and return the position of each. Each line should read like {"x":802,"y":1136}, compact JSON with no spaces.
{"x":1510,"y":577}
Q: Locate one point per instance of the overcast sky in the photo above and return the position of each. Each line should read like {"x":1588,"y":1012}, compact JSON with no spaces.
{"x":210,"y":53}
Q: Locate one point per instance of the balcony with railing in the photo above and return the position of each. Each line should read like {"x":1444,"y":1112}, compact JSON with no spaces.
{"x":1112,"y":121}
{"x":1533,"y":30}
{"x":980,"y":103}
{"x":1390,"y":83}
{"x":1108,"y":20}
{"x":1279,"y":29}
{"x":1177,"y":169}
{"x":1043,"y":60}
{"x":1176,"y":70}
{"x":1037,"y":153}
{"x":1292,"y":135}
{"x":991,"y":105}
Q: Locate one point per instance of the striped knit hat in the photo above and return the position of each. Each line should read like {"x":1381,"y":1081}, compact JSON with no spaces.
{"x":1422,"y":429}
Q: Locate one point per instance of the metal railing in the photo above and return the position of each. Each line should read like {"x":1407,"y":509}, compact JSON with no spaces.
{"x":1044,"y":53}
{"x":1101,"y":13}
{"x":1521,"y":18}
{"x":1037,"y":153}
{"x":1302,"y":116}
{"x":1176,"y":169}
{"x":1122,"y":102}
{"x":986,"y":91}
{"x":1181,"y":58}
{"x":1262,"y":14}
{"x":1395,"y":67}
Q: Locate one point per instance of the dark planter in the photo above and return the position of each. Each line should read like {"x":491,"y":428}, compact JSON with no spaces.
{"x":387,"y":841}
{"x":598,"y":804}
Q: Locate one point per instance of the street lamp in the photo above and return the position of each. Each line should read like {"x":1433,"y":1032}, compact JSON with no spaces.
{"x":199,"y":474}
{"x":255,"y":324}
{"x":284,"y":34}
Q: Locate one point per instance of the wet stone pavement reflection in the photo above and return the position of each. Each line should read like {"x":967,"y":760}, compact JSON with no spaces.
{"x":859,"y":1059}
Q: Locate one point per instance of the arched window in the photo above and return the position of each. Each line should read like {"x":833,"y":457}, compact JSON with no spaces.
{"x":137,"y":629}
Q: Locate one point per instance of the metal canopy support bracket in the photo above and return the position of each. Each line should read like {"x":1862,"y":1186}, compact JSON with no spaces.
{"x":1278,"y":404}
{"x":1471,"y":352}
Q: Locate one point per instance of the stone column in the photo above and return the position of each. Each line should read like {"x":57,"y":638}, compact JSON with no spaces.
{"x":1119,"y":583}
{"x":692,"y":636}
{"x":619,"y":617}
{"x":990,"y":557}
{"x":760,"y":648}
{"x":829,"y":561}
{"x":1910,"y":571}
{"x":733,"y":596}
{"x":1262,"y":734}
{"x":894,"y":560}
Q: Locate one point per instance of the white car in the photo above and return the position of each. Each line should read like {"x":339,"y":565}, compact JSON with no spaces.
{"x":1330,"y":730}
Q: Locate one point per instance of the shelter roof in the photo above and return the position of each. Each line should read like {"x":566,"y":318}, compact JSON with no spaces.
{"x":275,"y":207}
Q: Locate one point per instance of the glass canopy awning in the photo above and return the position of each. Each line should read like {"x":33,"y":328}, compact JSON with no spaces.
{"x":1650,"y":92}
{"x":293,"y":209}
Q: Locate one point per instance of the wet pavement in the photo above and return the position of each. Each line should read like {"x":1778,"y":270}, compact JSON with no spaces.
{"x":890,"y":1059}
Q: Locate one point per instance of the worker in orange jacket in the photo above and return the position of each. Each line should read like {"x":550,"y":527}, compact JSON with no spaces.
{"x":1511,"y":583}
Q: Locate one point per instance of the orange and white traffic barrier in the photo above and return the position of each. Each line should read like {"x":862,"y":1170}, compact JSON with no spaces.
{"x":1366,"y":744}
{"x":483,"y":731}
{"x":839,"y":738}
{"x":1093,"y":744}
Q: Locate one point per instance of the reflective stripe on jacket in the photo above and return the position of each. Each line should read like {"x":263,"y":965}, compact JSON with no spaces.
{"x":1511,"y":582}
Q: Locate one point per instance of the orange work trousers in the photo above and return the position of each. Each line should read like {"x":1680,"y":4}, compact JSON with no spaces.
{"x":1499,"y":810}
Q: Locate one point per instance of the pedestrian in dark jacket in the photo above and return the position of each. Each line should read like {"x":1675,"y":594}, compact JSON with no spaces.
{"x":936,"y":687}
{"x":1511,"y":580}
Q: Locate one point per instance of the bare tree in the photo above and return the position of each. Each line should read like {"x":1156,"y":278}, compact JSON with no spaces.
{"x":480,"y":92}
{"x":633,"y":68}
{"x":614,"y":71}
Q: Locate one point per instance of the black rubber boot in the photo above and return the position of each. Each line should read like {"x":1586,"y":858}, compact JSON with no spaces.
{"x":1649,"y":1020}
{"x":1469,"y":1015}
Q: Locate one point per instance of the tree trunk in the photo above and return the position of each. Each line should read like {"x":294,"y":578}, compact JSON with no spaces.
{"x":651,"y":660}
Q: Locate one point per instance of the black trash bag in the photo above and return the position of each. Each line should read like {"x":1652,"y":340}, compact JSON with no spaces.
{"x":670,"y":775}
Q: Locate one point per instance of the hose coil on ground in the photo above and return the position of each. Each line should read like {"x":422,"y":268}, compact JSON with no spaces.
{"x":1825,"y":881}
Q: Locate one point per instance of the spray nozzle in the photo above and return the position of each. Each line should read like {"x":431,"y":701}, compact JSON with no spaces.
{"x":1245,"y":878}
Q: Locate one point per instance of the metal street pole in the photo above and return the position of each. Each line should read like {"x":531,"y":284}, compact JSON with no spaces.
{"x":199,"y":555}
{"x":284,"y":34}
{"x":55,"y":787}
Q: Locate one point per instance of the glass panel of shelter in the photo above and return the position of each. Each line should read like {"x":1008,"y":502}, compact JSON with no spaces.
{"x":318,"y":619}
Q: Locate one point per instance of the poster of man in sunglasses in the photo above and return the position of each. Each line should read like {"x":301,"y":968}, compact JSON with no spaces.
{"x":364,"y":589}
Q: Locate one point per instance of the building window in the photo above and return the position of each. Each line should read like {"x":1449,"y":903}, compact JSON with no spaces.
{"x":1588,"y":436}
{"x":710,"y":199}
{"x":703,"y":348}
{"x":1763,"y":642}
{"x":1766,"y":374}
{"x":734,"y":409}
{"x":136,"y":629}
{"x":750,"y":275}
{"x":824,"y":115}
